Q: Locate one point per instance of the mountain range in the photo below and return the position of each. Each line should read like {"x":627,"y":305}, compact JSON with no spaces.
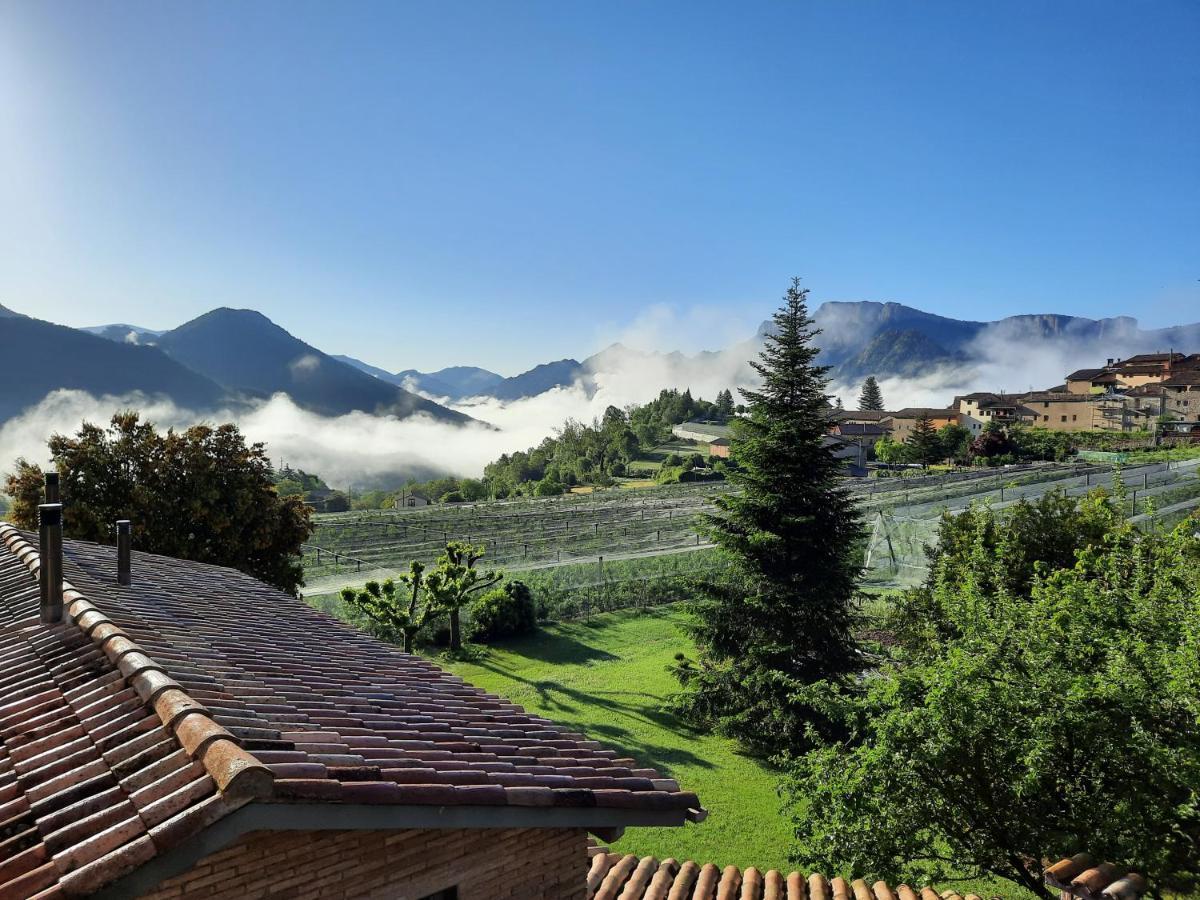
{"x":231,"y":357}
{"x":892,"y":340}
{"x":225,"y":359}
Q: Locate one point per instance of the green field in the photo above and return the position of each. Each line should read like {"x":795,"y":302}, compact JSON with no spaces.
{"x":651,"y":461}
{"x":609,"y":680}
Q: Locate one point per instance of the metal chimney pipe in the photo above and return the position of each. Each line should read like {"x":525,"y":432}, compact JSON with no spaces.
{"x":124,"y":541}
{"x":51,"y":555}
{"x":52,"y":495}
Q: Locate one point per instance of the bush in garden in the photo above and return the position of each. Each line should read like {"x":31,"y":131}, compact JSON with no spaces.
{"x":504,"y":612}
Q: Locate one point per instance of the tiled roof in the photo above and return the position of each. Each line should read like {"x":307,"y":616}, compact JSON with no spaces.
{"x":614,"y":876}
{"x":860,"y":415}
{"x":915,"y":412}
{"x":1145,"y":359}
{"x":1082,"y":877}
{"x":1058,"y":397}
{"x":865,"y":429}
{"x":1184,"y":378}
{"x":154,"y":710}
{"x":1084,"y":374}
{"x":1150,"y":389}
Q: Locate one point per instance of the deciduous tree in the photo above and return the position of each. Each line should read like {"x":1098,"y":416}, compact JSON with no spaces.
{"x":200,"y":494}
{"x":1040,"y":698}
{"x":395,"y":615}
{"x":454,"y":582}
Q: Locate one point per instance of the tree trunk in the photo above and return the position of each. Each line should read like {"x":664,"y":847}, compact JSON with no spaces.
{"x":409,"y":635}
{"x":455,"y":632}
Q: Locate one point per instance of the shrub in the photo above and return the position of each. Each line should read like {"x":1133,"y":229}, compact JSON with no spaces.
{"x":548,"y":488}
{"x":453,"y":497}
{"x":503,"y":612}
{"x":337,"y":502}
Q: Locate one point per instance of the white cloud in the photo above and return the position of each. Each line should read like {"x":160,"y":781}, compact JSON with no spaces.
{"x":305,"y":365}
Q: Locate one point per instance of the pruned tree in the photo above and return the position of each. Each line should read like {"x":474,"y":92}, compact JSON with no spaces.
{"x":786,"y":620}
{"x":454,"y":583}
{"x":871,"y":397}
{"x":395,"y":615}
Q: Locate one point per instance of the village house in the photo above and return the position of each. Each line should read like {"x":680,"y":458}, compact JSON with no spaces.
{"x":976,"y":411}
{"x":719,"y":447}
{"x":176,"y":731}
{"x":1134,"y":372}
{"x":1181,"y":395}
{"x":1090,"y":381}
{"x":904,"y":420}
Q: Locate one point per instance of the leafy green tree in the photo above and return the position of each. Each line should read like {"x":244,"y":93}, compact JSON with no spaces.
{"x":454,"y":582}
{"x":923,"y":444}
{"x":201,"y":494}
{"x":394,"y":615}
{"x":787,"y":618}
{"x":954,"y":441}
{"x":871,"y":397}
{"x":889,"y":451}
{"x":1040,"y":698}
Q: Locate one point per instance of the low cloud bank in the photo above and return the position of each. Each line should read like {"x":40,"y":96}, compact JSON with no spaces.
{"x":363,"y":450}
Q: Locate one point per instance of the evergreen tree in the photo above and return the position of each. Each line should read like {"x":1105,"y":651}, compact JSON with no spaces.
{"x":924,"y":443}
{"x":871,"y":397}
{"x":787,"y":619}
{"x":725,"y":405}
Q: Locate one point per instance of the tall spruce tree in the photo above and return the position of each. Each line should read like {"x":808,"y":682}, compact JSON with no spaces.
{"x":871,"y":397}
{"x":786,"y":620}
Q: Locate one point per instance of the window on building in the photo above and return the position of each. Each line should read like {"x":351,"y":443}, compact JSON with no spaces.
{"x":1045,"y":404}
{"x":1074,"y":418}
{"x":1064,"y":418}
{"x":1045,"y":418}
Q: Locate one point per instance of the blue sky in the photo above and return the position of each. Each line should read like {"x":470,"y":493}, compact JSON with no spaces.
{"x":506,"y":183}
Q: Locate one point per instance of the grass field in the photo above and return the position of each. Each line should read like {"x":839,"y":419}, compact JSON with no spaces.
{"x":651,"y":461}
{"x":609,"y":680}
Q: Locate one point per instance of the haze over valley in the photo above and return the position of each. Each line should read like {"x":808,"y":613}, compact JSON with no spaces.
{"x":364,"y":425}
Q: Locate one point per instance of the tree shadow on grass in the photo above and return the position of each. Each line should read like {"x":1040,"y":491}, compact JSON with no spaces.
{"x":631,"y":705}
{"x":558,"y":648}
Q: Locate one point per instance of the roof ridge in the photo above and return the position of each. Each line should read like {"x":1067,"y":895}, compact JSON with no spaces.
{"x":236,"y":772}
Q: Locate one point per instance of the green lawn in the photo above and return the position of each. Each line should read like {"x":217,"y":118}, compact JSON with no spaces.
{"x":609,"y":680}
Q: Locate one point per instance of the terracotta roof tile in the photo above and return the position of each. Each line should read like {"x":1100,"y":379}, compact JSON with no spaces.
{"x":154,"y":710}
{"x":1081,"y":876}
{"x":616,"y":876}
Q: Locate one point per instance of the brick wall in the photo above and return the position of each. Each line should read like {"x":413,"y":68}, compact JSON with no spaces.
{"x":484,"y":864}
